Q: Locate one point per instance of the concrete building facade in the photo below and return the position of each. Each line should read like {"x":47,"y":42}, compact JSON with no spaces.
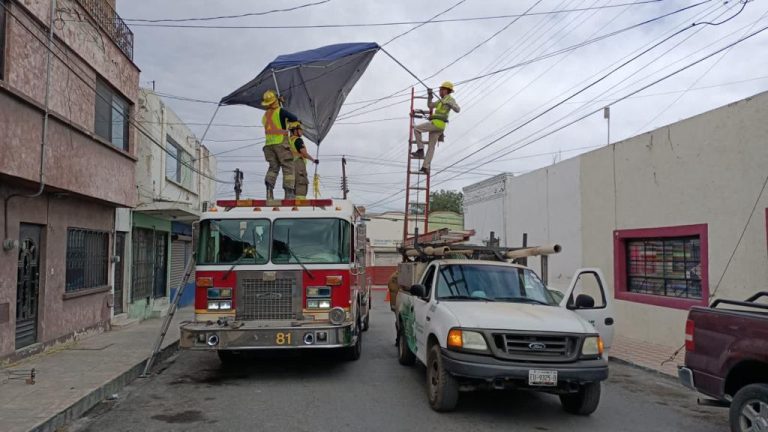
{"x":675,"y":217}
{"x":61,"y":180}
{"x":174,"y":181}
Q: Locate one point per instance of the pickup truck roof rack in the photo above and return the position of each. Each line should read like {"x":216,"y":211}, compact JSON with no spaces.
{"x":750,"y":302}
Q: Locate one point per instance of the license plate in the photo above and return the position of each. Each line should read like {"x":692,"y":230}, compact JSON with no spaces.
{"x":542,"y":378}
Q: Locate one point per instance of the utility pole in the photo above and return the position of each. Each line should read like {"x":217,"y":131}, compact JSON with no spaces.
{"x":607,"y":117}
{"x":344,"y":184}
{"x":238,"y":183}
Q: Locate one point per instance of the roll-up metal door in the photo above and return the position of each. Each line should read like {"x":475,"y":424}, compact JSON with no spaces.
{"x":179,"y":250}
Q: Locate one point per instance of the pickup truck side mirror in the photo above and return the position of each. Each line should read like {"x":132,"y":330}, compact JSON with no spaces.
{"x":584,"y":301}
{"x":418,"y":290}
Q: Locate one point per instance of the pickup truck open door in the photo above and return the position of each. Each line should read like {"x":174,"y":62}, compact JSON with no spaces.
{"x":587,"y":296}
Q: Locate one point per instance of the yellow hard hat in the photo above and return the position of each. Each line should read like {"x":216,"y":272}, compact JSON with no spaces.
{"x":294,"y":125}
{"x":447,"y":85}
{"x":269,"y":98}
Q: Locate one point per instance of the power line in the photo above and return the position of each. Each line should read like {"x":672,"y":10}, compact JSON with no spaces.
{"x":379,"y":24}
{"x":382,"y":201}
{"x":159,"y":20}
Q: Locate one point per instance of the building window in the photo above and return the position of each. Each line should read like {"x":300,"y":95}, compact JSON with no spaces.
{"x":3,"y":5}
{"x":87,"y":259}
{"x":111,"y":121}
{"x":178,"y":164}
{"x":662,"y":266}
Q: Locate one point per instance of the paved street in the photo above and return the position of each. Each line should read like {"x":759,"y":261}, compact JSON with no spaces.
{"x":318,"y":393}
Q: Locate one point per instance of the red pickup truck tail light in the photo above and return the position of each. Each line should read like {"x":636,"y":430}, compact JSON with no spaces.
{"x":689,"y":343}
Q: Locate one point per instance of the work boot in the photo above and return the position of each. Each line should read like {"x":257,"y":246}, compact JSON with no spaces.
{"x":290,"y":194}
{"x":270,"y":193}
{"x":425,"y":170}
{"x":418,"y":154}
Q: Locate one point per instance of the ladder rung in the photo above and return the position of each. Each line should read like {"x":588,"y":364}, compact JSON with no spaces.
{"x":418,"y":188}
{"x":421,"y":97}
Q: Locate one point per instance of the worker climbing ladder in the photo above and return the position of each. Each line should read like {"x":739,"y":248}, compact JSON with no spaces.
{"x":416,"y":218}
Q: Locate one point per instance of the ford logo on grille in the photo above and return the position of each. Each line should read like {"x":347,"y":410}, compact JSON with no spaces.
{"x":537,"y":346}
{"x":269,"y":296}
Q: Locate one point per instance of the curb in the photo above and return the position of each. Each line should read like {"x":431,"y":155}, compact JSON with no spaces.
{"x":77,"y":409}
{"x":643,"y":368}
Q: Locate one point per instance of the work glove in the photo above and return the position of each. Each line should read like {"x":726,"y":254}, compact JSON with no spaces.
{"x":316,"y":161}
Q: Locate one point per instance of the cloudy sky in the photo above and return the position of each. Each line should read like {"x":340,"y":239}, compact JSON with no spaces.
{"x":504,"y":115}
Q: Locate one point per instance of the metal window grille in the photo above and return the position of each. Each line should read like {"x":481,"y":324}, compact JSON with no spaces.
{"x":87,"y":259}
{"x":111,"y":23}
{"x":669,"y":267}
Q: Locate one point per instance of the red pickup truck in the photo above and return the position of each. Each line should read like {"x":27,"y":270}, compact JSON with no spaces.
{"x":727,"y":359}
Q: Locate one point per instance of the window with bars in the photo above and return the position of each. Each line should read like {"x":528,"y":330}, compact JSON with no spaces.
{"x":87,"y":259}
{"x":668,"y":267}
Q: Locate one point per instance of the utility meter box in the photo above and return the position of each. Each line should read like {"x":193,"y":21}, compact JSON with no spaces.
{"x":409,"y":273}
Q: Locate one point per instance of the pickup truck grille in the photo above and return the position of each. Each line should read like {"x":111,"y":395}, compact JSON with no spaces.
{"x":532,"y":347}
{"x":265,"y":300}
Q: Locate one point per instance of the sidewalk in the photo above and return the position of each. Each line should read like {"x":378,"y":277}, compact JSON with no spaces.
{"x":72,"y":380}
{"x":647,"y":355}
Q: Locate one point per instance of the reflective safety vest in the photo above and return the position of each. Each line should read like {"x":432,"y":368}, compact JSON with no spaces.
{"x":440,"y":114}
{"x":296,"y":154}
{"x":272,"y":130}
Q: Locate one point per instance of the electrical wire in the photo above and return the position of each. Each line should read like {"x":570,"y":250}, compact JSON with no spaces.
{"x":213,"y":18}
{"x":145,"y":23}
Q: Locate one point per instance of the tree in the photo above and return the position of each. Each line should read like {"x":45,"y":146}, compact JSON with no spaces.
{"x":446,"y":200}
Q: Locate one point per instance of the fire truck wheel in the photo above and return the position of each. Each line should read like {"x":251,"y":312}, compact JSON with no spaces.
{"x":353,"y":353}
{"x":228,"y":357}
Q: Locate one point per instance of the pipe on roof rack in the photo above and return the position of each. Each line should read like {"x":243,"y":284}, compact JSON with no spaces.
{"x":534,"y":251}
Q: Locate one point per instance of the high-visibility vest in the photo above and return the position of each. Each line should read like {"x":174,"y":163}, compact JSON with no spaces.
{"x":440,"y":114}
{"x":296,"y":153}
{"x":272,"y":130}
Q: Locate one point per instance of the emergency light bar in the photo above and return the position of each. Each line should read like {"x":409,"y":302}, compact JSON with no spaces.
{"x":275,"y":203}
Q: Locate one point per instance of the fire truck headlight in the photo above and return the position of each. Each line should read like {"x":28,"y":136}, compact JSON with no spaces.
{"x":227,"y":304}
{"x":213,"y":305}
{"x":324,"y":304}
{"x":337,"y":315}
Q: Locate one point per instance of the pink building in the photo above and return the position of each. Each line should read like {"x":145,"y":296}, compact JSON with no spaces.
{"x":67,"y":161}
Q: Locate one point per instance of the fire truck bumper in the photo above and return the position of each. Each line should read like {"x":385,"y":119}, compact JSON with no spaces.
{"x":204,"y":336}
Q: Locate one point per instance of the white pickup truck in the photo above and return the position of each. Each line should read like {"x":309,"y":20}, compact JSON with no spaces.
{"x":495,"y":325}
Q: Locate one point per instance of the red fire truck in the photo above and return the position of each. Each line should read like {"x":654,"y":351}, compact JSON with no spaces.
{"x":280,"y":275}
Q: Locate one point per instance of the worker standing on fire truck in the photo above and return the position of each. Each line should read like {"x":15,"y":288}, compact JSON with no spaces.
{"x":436,"y":125}
{"x":300,"y":158}
{"x":277,"y":149}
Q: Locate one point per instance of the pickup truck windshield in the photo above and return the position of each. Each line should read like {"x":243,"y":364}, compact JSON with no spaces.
{"x":234,"y":241}
{"x":310,"y":241}
{"x":491,"y":283}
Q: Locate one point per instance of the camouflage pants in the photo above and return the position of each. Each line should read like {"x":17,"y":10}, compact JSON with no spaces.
{"x":302,"y":178}
{"x":279,"y":157}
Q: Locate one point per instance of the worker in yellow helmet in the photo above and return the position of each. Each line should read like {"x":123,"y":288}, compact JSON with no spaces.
{"x":300,"y":158}
{"x":277,"y":148}
{"x":436,"y":125}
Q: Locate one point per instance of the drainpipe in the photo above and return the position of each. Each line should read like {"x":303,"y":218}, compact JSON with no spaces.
{"x":10,"y":244}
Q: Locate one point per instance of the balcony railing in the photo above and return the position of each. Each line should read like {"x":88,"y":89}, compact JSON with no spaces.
{"x":111,"y":23}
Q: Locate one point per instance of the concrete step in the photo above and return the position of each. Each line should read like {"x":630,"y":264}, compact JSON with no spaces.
{"x":122,"y":321}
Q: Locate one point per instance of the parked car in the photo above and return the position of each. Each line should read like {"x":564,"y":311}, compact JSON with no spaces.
{"x":727,"y":359}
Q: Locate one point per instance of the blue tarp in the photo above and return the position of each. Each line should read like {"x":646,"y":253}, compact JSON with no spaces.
{"x":314,"y":83}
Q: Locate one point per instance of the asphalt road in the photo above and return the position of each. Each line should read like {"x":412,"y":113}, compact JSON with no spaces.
{"x":318,"y":392}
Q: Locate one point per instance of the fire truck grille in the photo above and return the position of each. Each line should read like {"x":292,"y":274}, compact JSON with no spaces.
{"x":265,"y":300}
{"x":528,"y":347}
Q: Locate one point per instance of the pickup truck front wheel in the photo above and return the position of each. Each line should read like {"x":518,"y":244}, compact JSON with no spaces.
{"x":749,"y":409}
{"x":442,"y":388}
{"x":583,"y":402}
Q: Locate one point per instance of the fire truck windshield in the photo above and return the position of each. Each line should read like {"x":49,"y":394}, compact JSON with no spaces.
{"x":234,"y":241}
{"x":310,"y":241}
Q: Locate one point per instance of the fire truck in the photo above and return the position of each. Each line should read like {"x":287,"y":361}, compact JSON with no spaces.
{"x":287,"y":274}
